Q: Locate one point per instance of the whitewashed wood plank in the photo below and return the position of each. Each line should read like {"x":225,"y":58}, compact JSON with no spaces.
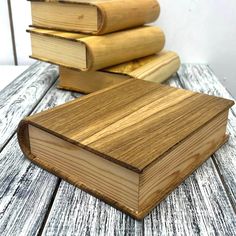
{"x":199,"y":206}
{"x":25,"y":189}
{"x":200,"y":78}
{"x":75,"y":212}
{"x":9,"y":73}
{"x":22,"y":95}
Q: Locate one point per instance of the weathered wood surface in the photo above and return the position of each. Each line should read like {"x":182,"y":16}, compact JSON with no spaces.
{"x":200,"y":78}
{"x":75,"y":212}
{"x":22,"y":95}
{"x":200,"y":206}
{"x":25,"y":189}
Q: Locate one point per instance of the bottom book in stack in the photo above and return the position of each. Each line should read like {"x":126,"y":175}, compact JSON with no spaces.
{"x":129,"y":145}
{"x":156,"y":68}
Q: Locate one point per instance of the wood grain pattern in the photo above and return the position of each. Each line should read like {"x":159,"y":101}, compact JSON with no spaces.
{"x":26,"y":190}
{"x":200,"y":78}
{"x":119,"y":186}
{"x":96,"y":17}
{"x":116,"y":119}
{"x":89,"y":81}
{"x":153,"y":129}
{"x":200,"y":206}
{"x":159,"y":179}
{"x":70,"y":17}
{"x":84,"y":169}
{"x":156,"y":68}
{"x":125,"y":46}
{"x":21,"y":96}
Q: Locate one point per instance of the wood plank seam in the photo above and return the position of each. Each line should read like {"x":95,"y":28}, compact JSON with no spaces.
{"x":30,"y":112}
{"x":224,"y":183}
{"x":49,"y":207}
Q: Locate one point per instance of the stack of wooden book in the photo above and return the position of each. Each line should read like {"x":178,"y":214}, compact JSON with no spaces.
{"x":134,"y":141}
{"x":99,"y":43}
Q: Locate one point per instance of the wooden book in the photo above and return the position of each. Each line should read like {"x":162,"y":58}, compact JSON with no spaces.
{"x":86,"y":52}
{"x":129,"y":145}
{"x":156,"y":68}
{"x":93,"y":16}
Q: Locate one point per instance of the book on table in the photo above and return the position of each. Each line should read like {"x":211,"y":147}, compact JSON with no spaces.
{"x":129,"y":145}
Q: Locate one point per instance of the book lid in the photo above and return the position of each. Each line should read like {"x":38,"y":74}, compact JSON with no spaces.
{"x":132,"y":124}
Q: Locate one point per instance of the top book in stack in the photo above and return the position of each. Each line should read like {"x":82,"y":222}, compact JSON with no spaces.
{"x":93,"y":16}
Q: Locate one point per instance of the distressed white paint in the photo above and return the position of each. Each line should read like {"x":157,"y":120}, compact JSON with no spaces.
{"x":200,"y":206}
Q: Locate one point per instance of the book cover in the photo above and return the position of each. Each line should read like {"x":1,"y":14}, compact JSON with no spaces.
{"x":130,"y":145}
{"x":93,"y":16}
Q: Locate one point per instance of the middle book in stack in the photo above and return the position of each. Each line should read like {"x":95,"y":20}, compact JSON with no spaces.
{"x":58,"y":36}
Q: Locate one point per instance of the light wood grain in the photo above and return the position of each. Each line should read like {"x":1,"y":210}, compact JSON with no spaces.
{"x":133,"y":193}
{"x":50,"y":49}
{"x":85,"y":169}
{"x":80,"y":132}
{"x":125,"y":46}
{"x":19,"y":98}
{"x":96,"y":17}
{"x":156,"y":68}
{"x":89,"y":81}
{"x":70,"y":17}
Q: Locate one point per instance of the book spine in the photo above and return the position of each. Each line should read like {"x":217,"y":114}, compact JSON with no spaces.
{"x":118,"y":15}
{"x":123,"y":46}
{"x":87,"y":82}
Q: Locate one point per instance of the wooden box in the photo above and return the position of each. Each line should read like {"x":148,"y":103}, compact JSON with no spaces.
{"x":129,"y":145}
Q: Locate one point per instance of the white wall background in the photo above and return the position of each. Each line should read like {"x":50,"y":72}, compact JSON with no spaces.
{"x":201,"y":31}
